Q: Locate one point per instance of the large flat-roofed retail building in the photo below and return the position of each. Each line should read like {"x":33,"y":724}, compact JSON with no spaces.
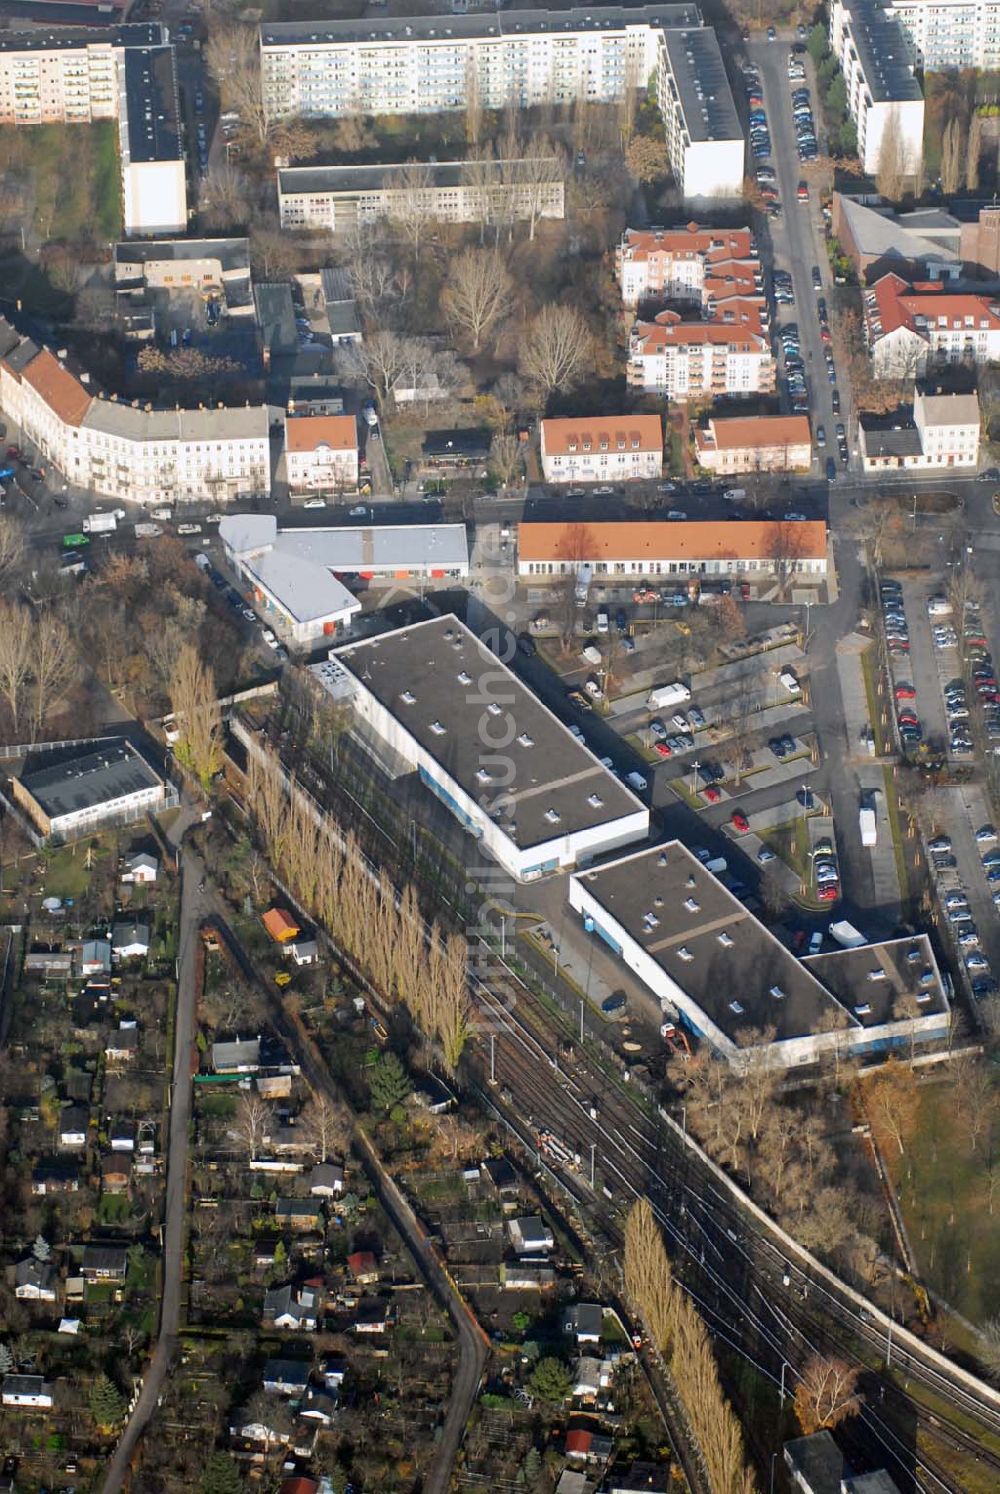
{"x":725,"y":977}
{"x":68,"y":792}
{"x":513,"y":775}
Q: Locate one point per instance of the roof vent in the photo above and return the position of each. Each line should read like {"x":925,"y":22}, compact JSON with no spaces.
{"x":525,"y":741}
{"x":685,"y":954}
{"x":726,"y":940}
{"x":777,"y":993}
{"x":494,"y":709}
{"x":553,"y":816}
{"x":661,"y":859}
{"x":595,"y":801}
{"x":407,"y":697}
{"x":692,"y":905}
{"x":464,"y":678}
{"x":437,"y":728}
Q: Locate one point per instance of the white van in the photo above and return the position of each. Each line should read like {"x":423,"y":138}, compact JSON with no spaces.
{"x":636,"y":781}
{"x":602,"y":622}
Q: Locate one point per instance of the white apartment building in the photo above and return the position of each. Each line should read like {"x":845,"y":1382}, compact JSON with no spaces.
{"x":685,"y":359}
{"x":339,"y":197}
{"x":910,"y":331}
{"x":130,"y":451}
{"x":949,"y":426}
{"x":882,"y":92}
{"x":680,"y":264}
{"x":948,"y":34}
{"x":425,"y":64}
{"x":604,"y":448}
{"x":321,"y":453}
{"x":65,"y":76}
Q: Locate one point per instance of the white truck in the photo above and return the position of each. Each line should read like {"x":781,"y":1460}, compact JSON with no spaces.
{"x":868,"y":825}
{"x":147,"y":531}
{"x":667,"y":695}
{"x":583,"y":579}
{"x":103,"y":523}
{"x":846,"y":935}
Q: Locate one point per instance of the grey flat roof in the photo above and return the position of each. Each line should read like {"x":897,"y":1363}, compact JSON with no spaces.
{"x":152,"y":125}
{"x":883,"y":53}
{"x":818,"y":1461}
{"x":139,"y":424}
{"x":444,"y":27}
{"x":702,"y":86}
{"x":233,"y":254}
{"x":717,"y":952}
{"x":86,"y":779}
{"x":448,"y":671}
{"x":275,"y":312}
{"x":72,"y":39}
{"x":878,"y":233}
{"x":350,"y":550}
{"x":353,"y":179}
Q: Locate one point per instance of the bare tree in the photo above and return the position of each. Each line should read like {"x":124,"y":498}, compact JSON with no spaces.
{"x":473,"y":101}
{"x":826,"y":1393}
{"x":648,"y":1277}
{"x":412,"y":186}
{"x":251,"y":1119}
{"x":11,"y":545}
{"x":890,"y":1098}
{"x":891,"y":173}
{"x":223,"y":196}
{"x":975,"y":1097}
{"x":326,"y":1124}
{"x":786,"y":545}
{"x":478,"y":294}
{"x":379,"y":361}
{"x":505,"y":454}
{"x":232,"y":56}
{"x":194,"y":702}
{"x":16,"y":631}
{"x":557,"y":350}
{"x":54,"y":664}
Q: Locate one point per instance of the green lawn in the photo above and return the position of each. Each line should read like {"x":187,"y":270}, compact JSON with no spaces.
{"x":66,"y":874}
{"x":791,"y":842}
{"x":943,"y":1188}
{"x":72,"y":176}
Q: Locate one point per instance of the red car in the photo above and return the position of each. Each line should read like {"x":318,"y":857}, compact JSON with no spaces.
{"x":909,"y":718}
{"x":905,"y":692}
{"x":664,"y":750}
{"x":711,"y":795}
{"x":739,"y":821}
{"x":830,"y":893}
{"x":744,"y":591}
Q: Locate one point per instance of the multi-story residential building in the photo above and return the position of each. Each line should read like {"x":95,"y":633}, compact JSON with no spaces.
{"x":321,"y":453}
{"x":154,"y":186}
{"x":758,"y":443}
{"x":910,"y":329}
{"x":678,"y":264}
{"x":675,"y":547}
{"x":422,"y":64}
{"x":941,"y":430}
{"x":65,"y":76}
{"x":946,"y":34}
{"x":728,"y":354}
{"x":132,"y":451}
{"x":883,"y":96}
{"x":604,"y":448}
{"x":339,"y":197}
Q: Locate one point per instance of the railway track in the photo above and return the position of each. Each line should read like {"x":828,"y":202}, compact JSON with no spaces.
{"x":775,"y":1326}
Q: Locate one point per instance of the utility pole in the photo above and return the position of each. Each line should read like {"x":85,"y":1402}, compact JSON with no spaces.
{"x":493,"y":1058}
{"x":581,"y":1019}
{"x":593,"y":1152}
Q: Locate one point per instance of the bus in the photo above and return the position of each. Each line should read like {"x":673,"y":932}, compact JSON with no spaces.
{"x":74,"y":541}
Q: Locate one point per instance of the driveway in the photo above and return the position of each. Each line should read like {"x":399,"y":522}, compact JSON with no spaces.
{"x":193,"y":909}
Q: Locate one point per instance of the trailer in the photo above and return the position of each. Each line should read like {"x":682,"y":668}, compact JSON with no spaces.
{"x":868,"y":825}
{"x":846,"y":935}
{"x":147,"y":531}
{"x":667,"y":695}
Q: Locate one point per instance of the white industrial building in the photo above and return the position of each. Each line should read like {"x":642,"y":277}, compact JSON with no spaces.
{"x":429,"y":63}
{"x":533,"y":795}
{"x":64,"y":794}
{"x":154,"y":185}
{"x":882,"y":93}
{"x":339,"y":197}
{"x":718,"y":972}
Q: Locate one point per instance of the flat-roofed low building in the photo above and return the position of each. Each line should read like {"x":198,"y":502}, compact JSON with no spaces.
{"x":675,"y":547}
{"x":370,"y":552}
{"x":338,"y":198}
{"x":718,"y":971}
{"x":602,"y":448}
{"x":70,"y":792}
{"x":321,"y":453}
{"x":151,"y":274}
{"x":507,"y":768}
{"x":756,"y":443}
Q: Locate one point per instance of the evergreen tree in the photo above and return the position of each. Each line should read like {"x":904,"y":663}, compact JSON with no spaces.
{"x":221,"y":1476}
{"x":41,"y":1249}
{"x":551,"y":1380}
{"x":6,"y":1360}
{"x":388,"y":1082}
{"x":107,"y":1405}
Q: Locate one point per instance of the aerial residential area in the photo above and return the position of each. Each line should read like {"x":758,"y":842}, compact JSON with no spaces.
{"x":499,"y":747}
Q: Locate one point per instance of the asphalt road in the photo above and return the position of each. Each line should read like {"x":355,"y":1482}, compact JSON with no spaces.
{"x":796,"y":237}
{"x":193,"y":909}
